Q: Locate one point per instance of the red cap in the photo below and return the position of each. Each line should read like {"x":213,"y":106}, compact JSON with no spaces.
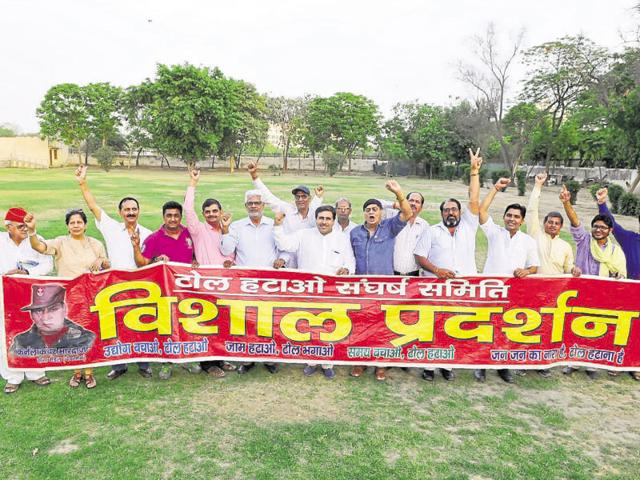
{"x":46,"y":295}
{"x":15,"y":214}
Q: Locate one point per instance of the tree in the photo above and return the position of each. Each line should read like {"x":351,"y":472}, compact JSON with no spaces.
{"x":63,"y":115}
{"x":344,"y":121}
{"x":103,"y":102}
{"x":491,"y":79}
{"x":559,"y":72}
{"x":136,"y":124}
{"x":7,"y":130}
{"x":289,"y":115}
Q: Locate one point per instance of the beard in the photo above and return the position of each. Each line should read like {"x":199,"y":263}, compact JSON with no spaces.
{"x":451,"y":221}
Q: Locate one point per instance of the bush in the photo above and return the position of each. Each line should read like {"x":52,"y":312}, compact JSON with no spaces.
{"x":615,"y":193}
{"x":498,"y":174}
{"x":574,"y":187}
{"x":105,"y":155}
{"x":333,"y":161}
{"x":521,"y":177}
{"x":449,"y":172}
{"x":629,"y":204}
{"x":594,"y":188}
{"x":275,"y":169}
{"x":464,"y":173}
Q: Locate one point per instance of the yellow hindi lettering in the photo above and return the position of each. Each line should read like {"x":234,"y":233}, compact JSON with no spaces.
{"x":338,"y":313}
{"x":559,"y":312}
{"x":528,"y":319}
{"x":152,"y":305}
{"x":595,"y":323}
{"x":238,"y":319}
{"x":455,"y":326}
{"x":208,"y":311}
{"x":421,"y":331}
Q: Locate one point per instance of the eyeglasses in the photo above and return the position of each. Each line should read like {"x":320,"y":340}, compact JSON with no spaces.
{"x":253,"y":204}
{"x":19,"y":226}
{"x":452,"y":210}
{"x":301,"y":196}
{"x":599,"y":227}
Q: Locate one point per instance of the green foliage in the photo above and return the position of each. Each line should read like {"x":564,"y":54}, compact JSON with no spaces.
{"x":615,"y":193}
{"x":103,"y":103}
{"x":574,"y":187}
{"x":333,"y":161}
{"x":629,"y":204}
{"x":450,"y":172}
{"x":275,"y":170}
{"x":290,"y":115}
{"x":105,"y":155}
{"x":594,"y":188}
{"x":7,"y":131}
{"x":521,"y":178}
{"x":498,"y":174}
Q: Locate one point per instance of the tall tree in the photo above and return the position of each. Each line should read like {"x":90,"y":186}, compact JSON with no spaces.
{"x":103,"y":102}
{"x":289,"y":115}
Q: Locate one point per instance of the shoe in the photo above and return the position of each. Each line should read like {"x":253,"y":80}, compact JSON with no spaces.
{"x":546,"y":373}
{"x":90,"y":381}
{"x":612,"y":373}
{"x":75,"y":380}
{"x":228,"y":367}
{"x":506,"y":375}
{"x":10,"y":388}
{"x":192,"y":367}
{"x":635,"y":376}
{"x":271,"y":368}
{"x":165,"y":372}
{"x":592,"y":374}
{"x":480,"y":375}
{"x":357,"y":371}
{"x":216,"y":372}
{"x":242,"y":369}
{"x":113,"y":374}
{"x":43,"y":381}
{"x":521,"y":373}
{"x":328,"y":373}
{"x":568,"y":370}
{"x":428,"y":375}
{"x":381,"y":374}
{"x":448,"y":375}
{"x":309,"y":370}
{"x":145,"y":372}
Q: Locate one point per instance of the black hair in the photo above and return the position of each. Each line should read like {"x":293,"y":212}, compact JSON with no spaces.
{"x":554,"y":215}
{"x":71,"y":213}
{"x":516,"y":206}
{"x":326,"y":208}
{"x":171,"y":205}
{"x":450,"y":200}
{"x":603,"y":218}
{"x":417,"y":193}
{"x":211,"y":201}
{"x":125,"y":199}
{"x":372,"y":201}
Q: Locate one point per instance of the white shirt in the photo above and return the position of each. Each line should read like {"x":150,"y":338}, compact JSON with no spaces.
{"x":318,"y":253}
{"x":118,"y":241}
{"x":293,"y":221}
{"x":346,"y":231}
{"x":455,"y":252}
{"x":14,"y":256}
{"x":254,"y":245}
{"x":506,"y":253}
{"x":406,"y":241}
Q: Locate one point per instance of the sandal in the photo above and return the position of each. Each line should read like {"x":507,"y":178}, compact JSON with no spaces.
{"x":216,"y":372}
{"x":42,"y":381}
{"x":75,"y":380}
{"x":635,"y":376}
{"x":10,"y":388}
{"x":228,"y":367}
{"x":90,"y":381}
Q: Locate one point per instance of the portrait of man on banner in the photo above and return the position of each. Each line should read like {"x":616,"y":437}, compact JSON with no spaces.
{"x":51,"y":328}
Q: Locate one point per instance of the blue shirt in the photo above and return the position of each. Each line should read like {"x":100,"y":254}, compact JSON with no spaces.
{"x":374,"y":254}
{"x":629,"y":241}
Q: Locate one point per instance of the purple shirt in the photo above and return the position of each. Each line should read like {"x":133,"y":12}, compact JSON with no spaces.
{"x":629,"y":241}
{"x":584,"y":259}
{"x":178,"y":250}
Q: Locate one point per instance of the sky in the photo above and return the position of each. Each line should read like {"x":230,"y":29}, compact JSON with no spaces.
{"x":389,"y":51}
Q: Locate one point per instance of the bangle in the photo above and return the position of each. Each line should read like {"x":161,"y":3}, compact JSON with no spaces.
{"x":473,"y":175}
{"x":33,"y":234}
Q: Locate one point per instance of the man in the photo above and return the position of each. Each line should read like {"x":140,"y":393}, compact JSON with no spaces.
{"x":596,"y":254}
{"x":373,"y":244}
{"x":343,"y":221}
{"x":252,"y":240}
{"x":117,"y":237}
{"x":510,"y":251}
{"x":299,"y":215}
{"x":319,"y":250}
{"x":170,"y":243}
{"x":206,"y":243}
{"x":18,"y":258}
{"x":51,"y":328}
{"x":556,"y":255}
{"x":447,"y":249}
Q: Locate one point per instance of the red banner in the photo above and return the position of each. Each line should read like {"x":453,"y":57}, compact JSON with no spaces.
{"x":175,"y":313}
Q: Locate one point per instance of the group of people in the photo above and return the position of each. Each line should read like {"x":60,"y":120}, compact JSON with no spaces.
{"x":312,"y":236}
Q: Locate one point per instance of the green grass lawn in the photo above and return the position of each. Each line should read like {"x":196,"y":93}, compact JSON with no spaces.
{"x":285,"y":426}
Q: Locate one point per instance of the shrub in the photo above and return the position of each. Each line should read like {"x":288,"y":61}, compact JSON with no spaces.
{"x":594,"y":188}
{"x":574,"y":187}
{"x":615,"y":193}
{"x":498,"y":174}
{"x":105,"y":155}
{"x":333,"y":161}
{"x":521,"y":177}
{"x":629,"y":204}
{"x":449,"y":172}
{"x":275,"y":169}
{"x":464,"y":173}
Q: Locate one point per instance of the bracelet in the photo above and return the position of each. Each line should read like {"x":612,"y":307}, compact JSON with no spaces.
{"x":473,"y":175}
{"x":33,"y":234}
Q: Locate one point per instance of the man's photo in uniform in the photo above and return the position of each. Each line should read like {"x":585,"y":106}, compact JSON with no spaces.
{"x":51,"y":328}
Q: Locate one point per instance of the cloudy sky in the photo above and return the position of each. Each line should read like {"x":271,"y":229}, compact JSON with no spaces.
{"x":387,"y":50}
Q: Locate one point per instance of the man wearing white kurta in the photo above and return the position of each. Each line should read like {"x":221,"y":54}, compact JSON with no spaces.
{"x":343,"y":223}
{"x":18,"y":258}
{"x":319,"y":250}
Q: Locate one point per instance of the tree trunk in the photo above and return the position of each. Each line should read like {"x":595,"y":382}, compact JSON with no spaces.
{"x":285,"y":156}
{"x":213,"y":161}
{"x":138,"y":157}
{"x":313,"y":156}
{"x":634,"y":184}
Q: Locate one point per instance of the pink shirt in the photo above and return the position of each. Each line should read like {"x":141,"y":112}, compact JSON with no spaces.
{"x":178,"y":250}
{"x":206,"y":239}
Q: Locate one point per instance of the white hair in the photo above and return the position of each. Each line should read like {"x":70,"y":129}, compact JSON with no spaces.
{"x":252,"y":193}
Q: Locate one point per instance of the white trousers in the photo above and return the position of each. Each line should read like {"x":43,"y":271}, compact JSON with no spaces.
{"x":17,"y":376}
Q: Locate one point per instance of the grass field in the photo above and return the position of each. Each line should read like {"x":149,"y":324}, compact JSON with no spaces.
{"x":285,"y":426}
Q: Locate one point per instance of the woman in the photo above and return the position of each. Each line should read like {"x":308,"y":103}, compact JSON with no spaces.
{"x":73,"y":254}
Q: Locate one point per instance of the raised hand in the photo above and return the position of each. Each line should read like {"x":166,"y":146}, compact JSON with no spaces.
{"x":135,"y":238}
{"x":278,"y":219}
{"x":601,"y":195}
{"x":252,"y":168}
{"x":30,"y":222}
{"x":502,"y":183}
{"x":475,"y":159}
{"x":319,"y":191}
{"x":393,"y":186}
{"x":541,"y":178}
{"x":279,"y":263}
{"x":194,"y":176}
{"x":81,"y":174}
{"x":225,"y":220}
{"x":565,"y":195}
